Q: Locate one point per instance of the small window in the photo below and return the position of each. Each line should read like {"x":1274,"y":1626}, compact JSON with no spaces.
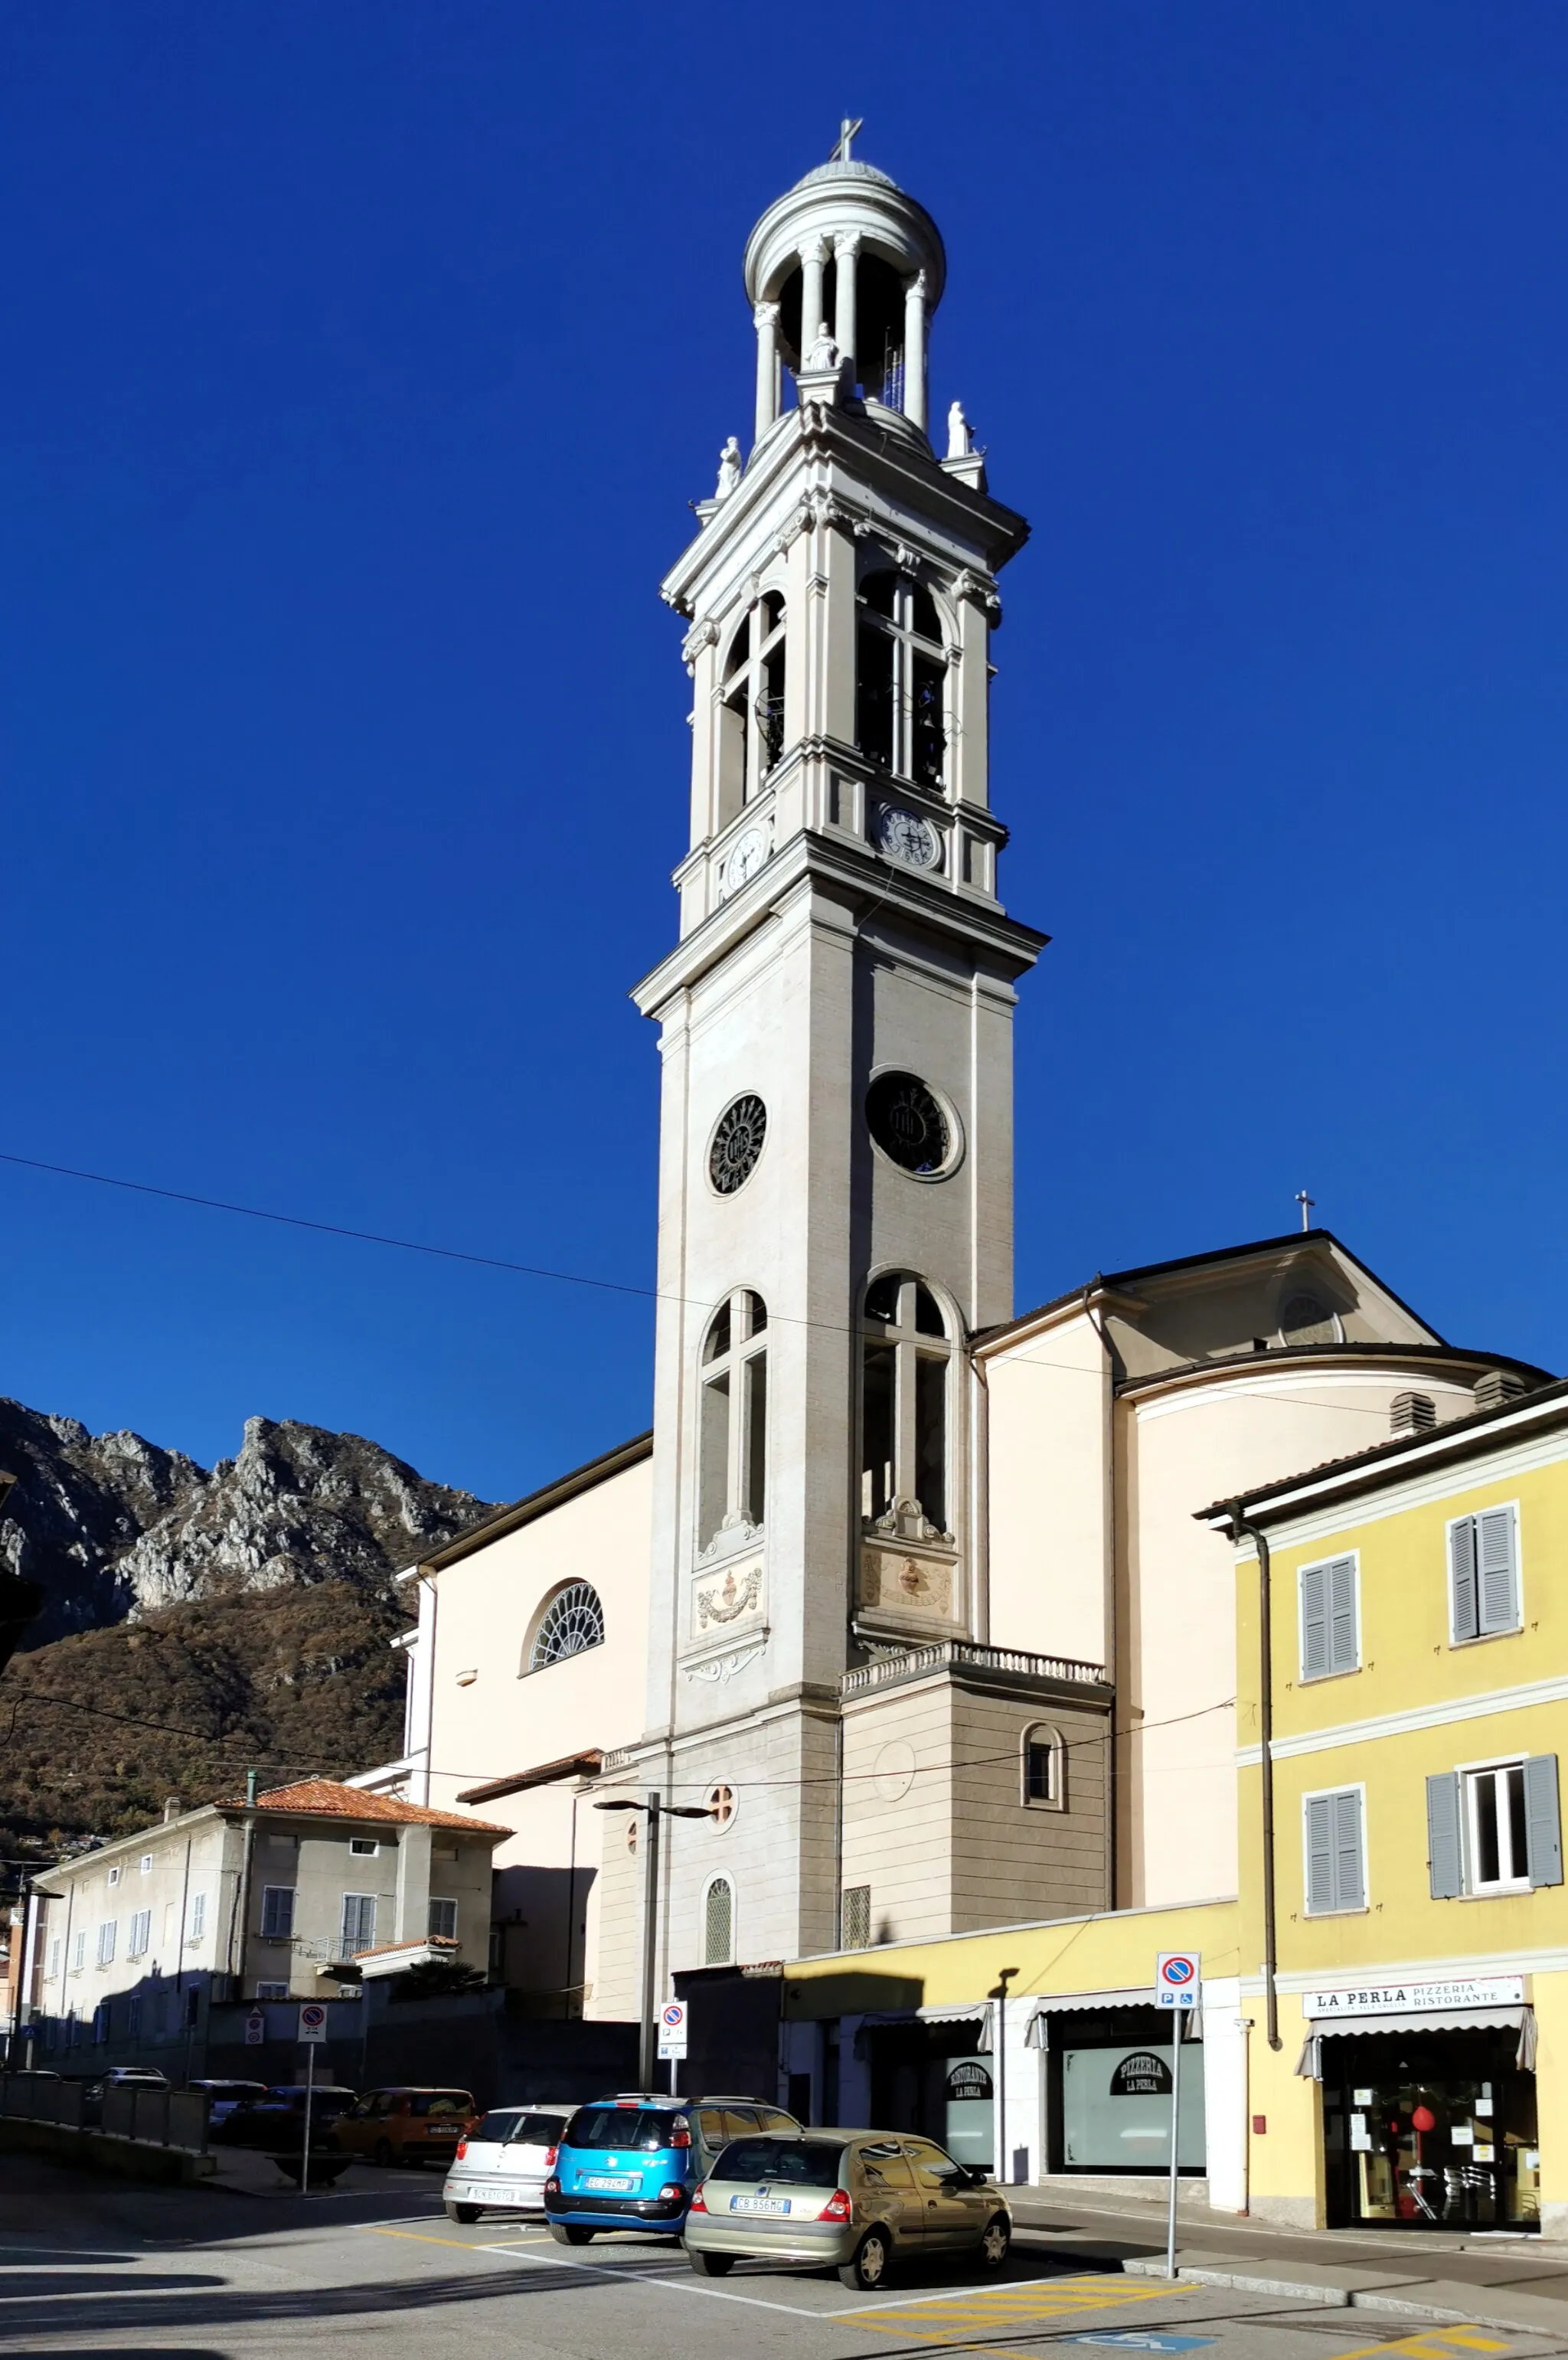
{"x":114,"y":1877}
{"x":198,"y":1915}
{"x":854,"y":1929}
{"x":1336,"y":1875}
{"x":1482,"y":1575}
{"x":107,"y":1934}
{"x":1330,"y":1620}
{"x":145,"y":1863}
{"x":1305,"y":1320}
{"x":141,"y":1935}
{"x":276,"y":1913}
{"x":721,"y":1804}
{"x":363,"y":1847}
{"x":1044,"y":1765}
{"x":442,"y":1922}
{"x":78,"y":1952}
{"x":55,"y":1952}
{"x":718,"y":1923}
{"x":272,"y":1991}
{"x":357,"y":1925}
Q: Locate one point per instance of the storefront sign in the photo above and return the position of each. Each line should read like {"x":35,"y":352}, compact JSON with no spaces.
{"x":1142,"y":2075}
{"x":1411,"y":1999}
{"x":968,"y":2081}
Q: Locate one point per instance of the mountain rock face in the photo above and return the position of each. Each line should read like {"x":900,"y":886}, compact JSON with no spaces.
{"x":114,"y":1527}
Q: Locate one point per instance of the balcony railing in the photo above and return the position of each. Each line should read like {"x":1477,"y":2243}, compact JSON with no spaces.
{"x":946,"y":1655}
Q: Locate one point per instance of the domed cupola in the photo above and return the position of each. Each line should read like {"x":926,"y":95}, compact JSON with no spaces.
{"x":844,"y":271}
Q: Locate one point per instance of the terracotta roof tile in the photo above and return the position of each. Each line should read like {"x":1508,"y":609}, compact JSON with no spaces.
{"x":330,"y":1798}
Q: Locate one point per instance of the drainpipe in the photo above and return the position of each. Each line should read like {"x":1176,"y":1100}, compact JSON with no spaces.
{"x":1241,"y":1529}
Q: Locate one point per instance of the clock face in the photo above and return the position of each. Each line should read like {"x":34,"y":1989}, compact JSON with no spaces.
{"x":905,"y":835}
{"x":747,"y":854}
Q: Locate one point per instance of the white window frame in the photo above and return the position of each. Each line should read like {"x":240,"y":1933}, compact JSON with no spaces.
{"x":140,"y":1939}
{"x":271,"y":1989}
{"x":1355,"y":1910}
{"x":1478,"y":1638}
{"x":145,"y":1863}
{"x":720,"y":1877}
{"x":730,"y":1495}
{"x":1467,"y":1773}
{"x":114,"y":1878}
{"x":1043,"y":1732}
{"x":364,"y":1848}
{"x":79,"y":1950}
{"x":271,"y":1935}
{"x":1335,"y":1671}
{"x":196,"y":1927}
{"x":346,"y":1951}
{"x":57,"y":1959}
{"x":108,"y":1940}
{"x":441,"y":1901}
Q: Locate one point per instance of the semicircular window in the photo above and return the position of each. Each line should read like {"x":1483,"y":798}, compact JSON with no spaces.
{"x":1305,"y":1320}
{"x":574,"y":1620}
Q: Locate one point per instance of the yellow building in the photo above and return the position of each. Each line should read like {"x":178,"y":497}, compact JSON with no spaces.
{"x":1386,"y":2041}
{"x":1410,"y":2057}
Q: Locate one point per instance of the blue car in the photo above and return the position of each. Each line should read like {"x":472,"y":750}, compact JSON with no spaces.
{"x":632,"y":2162}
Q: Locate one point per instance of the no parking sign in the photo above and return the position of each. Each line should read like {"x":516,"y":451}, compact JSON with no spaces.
{"x":672,"y":2028}
{"x":312,"y":2021}
{"x":1176,"y":1977}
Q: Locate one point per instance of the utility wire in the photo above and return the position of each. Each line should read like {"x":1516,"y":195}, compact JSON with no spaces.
{"x":523,"y":1269}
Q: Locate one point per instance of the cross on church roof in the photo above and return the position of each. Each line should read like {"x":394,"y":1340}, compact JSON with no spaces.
{"x":846,"y":131}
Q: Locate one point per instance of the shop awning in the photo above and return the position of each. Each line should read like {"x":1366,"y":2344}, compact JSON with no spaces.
{"x":976,"y":2012}
{"x":1444,"y":2019}
{"x":1036,"y":2033}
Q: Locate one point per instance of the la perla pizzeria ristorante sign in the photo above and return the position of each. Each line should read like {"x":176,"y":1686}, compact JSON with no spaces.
{"x":1414,"y":1999}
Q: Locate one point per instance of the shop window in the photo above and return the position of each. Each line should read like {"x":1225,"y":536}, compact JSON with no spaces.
{"x":1483,"y":1575}
{"x":1333,"y":1838}
{"x":1494,"y":1829}
{"x":1329,"y":1618}
{"x":1044,"y":1768}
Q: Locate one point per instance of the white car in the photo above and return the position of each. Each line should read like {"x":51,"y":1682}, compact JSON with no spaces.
{"x":505,"y":2161}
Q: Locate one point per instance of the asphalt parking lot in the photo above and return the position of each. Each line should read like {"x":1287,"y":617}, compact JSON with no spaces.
{"x":114,"y":2271}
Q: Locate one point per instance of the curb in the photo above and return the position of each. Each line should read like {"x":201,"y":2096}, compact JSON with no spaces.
{"x":1527,"y":2314}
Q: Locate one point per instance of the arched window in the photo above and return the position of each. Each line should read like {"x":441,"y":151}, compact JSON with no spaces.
{"x":906,"y":1371}
{"x":751,"y":715}
{"x":572,"y":1620}
{"x":1042,"y":1766}
{"x":718,"y":1922}
{"x":732,"y":1425}
{"x":900,"y":678}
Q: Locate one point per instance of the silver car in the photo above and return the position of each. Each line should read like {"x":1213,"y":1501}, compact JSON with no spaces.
{"x":504,"y":2160}
{"x":849,"y":2201}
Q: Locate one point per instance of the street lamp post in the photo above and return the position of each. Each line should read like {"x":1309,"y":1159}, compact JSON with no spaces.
{"x":999,"y":1994}
{"x":654,"y":1811}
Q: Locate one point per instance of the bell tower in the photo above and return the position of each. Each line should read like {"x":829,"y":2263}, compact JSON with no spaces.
{"x":835,"y":1029}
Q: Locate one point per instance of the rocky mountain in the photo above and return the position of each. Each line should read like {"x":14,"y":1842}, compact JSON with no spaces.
{"x":113,"y":1526}
{"x":201,"y":1621}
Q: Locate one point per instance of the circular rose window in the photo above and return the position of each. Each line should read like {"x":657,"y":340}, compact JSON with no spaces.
{"x":907,"y":1124}
{"x":737,"y":1143}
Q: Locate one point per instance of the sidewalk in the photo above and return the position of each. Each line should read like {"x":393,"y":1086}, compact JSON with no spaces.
{"x":1516,"y":2282}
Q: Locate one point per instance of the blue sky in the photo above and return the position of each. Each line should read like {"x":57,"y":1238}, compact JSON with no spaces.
{"x":361,"y":361}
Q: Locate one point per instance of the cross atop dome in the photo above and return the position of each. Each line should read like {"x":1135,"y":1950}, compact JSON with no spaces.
{"x":846,"y":131}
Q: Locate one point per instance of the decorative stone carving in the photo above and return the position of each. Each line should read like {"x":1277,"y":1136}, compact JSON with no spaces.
{"x":907,"y":1584}
{"x":960,"y":442}
{"x":721,"y":1599}
{"x":906,"y":1520}
{"x":823,"y":355}
{"x":701,"y":635}
{"x":724,"y":1667}
{"x":974,"y":587}
{"x":730,"y":464}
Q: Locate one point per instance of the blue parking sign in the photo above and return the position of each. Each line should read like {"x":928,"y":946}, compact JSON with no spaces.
{"x":1143,"y":2339}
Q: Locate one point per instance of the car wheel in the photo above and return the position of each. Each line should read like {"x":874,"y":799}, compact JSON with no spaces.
{"x":711,"y":2265}
{"x":384,"y":2155}
{"x":994,"y":2242}
{"x":567,"y":2233}
{"x":463,"y":2212}
{"x":869,"y":2268}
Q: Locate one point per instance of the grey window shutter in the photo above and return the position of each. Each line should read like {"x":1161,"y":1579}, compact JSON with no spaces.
{"x":1320,"y":1854}
{"x":1349,"y":1867}
{"x":1542,"y":1823}
{"x":1499,"y":1574}
{"x":1461,"y":1576}
{"x":1314,"y":1622}
{"x":1341,"y":1582}
{"x":1445,"y":1852}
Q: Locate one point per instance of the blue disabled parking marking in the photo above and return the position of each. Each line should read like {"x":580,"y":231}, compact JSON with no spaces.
{"x":1140,"y":2339}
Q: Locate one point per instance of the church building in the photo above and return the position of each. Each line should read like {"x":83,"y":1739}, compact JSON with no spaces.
{"x":902,"y":1603}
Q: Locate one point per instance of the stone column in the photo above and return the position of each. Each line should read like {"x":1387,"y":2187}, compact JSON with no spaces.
{"x":813,"y":262}
{"x":846,"y":254}
{"x":766,"y":318}
{"x":915,"y":349}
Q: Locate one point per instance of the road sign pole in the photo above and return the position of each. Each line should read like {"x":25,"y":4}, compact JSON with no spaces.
{"x":1176,"y":2045}
{"x":309,"y":2093}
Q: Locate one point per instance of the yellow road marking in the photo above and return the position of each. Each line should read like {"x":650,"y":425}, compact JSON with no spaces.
{"x":1010,"y":2306}
{"x":1431,"y":2343}
{"x":421,"y":2237}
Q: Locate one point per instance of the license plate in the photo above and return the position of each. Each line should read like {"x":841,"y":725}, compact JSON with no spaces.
{"x":759,"y":2204}
{"x":515,"y":2195}
{"x":600,"y":2179}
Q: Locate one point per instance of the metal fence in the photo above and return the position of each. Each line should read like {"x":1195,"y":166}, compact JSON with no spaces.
{"x":156,"y":2117}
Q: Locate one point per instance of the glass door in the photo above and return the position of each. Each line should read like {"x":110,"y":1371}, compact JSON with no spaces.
{"x":1437,"y":2132}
